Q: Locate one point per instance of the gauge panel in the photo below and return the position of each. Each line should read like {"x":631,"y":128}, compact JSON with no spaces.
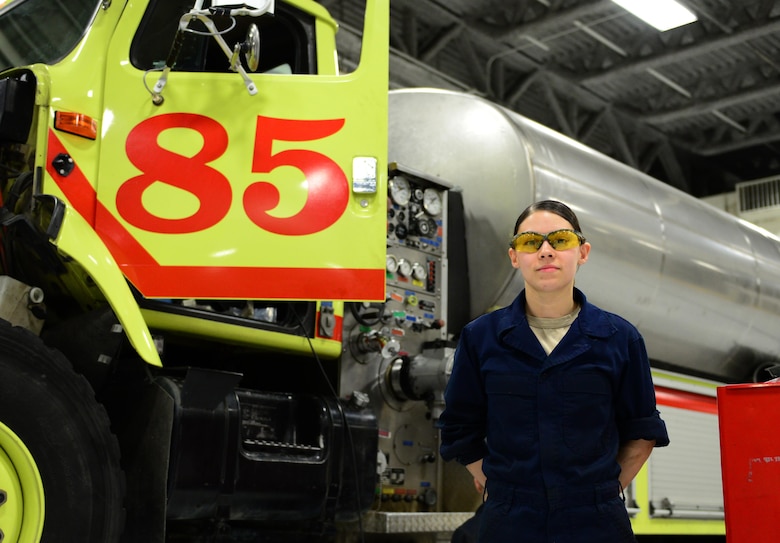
{"x":416,"y":215}
{"x":413,"y":325}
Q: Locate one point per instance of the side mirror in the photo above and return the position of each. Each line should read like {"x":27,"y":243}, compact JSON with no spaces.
{"x":251,"y":48}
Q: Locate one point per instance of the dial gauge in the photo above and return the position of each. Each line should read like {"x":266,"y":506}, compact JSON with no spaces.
{"x":391,"y":263}
{"x":404,"y":267}
{"x":400,"y":191}
{"x":418,"y":271}
{"x":432,"y":201}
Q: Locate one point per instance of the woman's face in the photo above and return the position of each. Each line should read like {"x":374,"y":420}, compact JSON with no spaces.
{"x":548,"y":270}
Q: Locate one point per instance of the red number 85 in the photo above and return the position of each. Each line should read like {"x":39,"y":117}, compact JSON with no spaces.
{"x":328,"y":188}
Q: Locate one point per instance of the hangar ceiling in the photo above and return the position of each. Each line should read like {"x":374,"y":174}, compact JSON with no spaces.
{"x":697,"y":107}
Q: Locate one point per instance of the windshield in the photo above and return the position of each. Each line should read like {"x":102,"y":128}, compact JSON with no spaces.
{"x":42,"y":31}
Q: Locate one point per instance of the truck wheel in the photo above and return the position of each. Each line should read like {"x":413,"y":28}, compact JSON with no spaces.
{"x":60,"y":478}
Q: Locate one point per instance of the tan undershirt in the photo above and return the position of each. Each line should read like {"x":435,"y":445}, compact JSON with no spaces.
{"x":550,"y":332}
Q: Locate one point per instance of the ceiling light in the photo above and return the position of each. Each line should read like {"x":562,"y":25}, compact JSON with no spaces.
{"x":662,"y":14}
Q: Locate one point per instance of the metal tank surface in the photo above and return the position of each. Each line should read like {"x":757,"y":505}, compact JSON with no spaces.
{"x":702,"y":286}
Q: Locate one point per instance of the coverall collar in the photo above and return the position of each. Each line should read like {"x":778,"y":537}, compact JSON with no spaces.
{"x":591,"y":322}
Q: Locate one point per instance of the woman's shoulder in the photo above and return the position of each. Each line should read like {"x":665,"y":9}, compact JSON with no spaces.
{"x":490,"y":318}
{"x":617,"y":322}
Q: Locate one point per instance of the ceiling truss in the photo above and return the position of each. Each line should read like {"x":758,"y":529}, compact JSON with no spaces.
{"x":697,"y":107}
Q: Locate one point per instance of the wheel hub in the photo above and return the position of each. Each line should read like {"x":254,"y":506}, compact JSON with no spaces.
{"x":21,"y":490}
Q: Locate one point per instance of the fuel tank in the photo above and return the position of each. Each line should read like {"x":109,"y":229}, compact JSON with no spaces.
{"x":702,"y":286}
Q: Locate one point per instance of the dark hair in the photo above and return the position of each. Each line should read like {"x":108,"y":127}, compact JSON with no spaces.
{"x":553,"y":206}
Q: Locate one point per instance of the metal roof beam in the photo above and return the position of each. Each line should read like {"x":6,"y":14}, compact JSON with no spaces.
{"x":473,"y":63}
{"x":524,"y":85}
{"x":544,"y":26}
{"x":632,"y":67}
{"x":708,"y":106}
{"x":441,"y":42}
{"x":737,"y":144}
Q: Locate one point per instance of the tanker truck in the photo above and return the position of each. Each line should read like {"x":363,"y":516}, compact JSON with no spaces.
{"x":702,"y":286}
{"x":230,"y":294}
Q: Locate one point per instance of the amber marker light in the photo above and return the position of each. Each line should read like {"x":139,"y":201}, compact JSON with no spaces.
{"x":76,"y":123}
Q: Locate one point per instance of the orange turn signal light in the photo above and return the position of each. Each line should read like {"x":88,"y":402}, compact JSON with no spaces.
{"x":76,"y":123}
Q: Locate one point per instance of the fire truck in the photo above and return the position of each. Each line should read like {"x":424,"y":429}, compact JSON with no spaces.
{"x":232,"y":280}
{"x":167,"y":165}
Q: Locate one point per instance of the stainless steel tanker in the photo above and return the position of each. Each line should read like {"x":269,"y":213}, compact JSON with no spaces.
{"x":702,"y":286}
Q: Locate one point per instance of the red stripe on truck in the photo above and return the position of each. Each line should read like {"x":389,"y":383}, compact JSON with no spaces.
{"x":686,"y":400}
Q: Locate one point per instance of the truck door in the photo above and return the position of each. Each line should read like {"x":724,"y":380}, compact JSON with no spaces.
{"x":268,"y":186}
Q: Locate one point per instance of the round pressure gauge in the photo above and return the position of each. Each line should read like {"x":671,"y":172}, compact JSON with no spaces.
{"x":432,"y":202}
{"x":400,"y":191}
{"x":391,"y":264}
{"x":418,"y":271}
{"x":404,"y":267}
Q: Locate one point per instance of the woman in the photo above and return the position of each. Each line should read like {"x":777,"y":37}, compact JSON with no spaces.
{"x":551,"y":404}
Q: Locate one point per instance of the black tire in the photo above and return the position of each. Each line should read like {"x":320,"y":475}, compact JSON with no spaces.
{"x":53,"y":411}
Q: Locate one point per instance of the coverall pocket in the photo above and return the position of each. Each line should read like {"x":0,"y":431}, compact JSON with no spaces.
{"x":512,"y":398}
{"x":603,"y":522}
{"x":616,"y":522}
{"x":587,"y":412}
{"x":493,"y":523}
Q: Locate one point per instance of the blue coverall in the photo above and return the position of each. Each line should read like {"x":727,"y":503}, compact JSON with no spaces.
{"x":549,"y":427}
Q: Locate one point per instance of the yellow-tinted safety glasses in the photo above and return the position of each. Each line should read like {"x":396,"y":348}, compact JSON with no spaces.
{"x":560,"y":240}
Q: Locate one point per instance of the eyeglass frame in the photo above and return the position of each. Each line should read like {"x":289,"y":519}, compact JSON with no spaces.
{"x":545,"y":237}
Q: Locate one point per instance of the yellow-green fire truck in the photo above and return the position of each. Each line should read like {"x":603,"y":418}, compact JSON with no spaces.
{"x":162,"y":162}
